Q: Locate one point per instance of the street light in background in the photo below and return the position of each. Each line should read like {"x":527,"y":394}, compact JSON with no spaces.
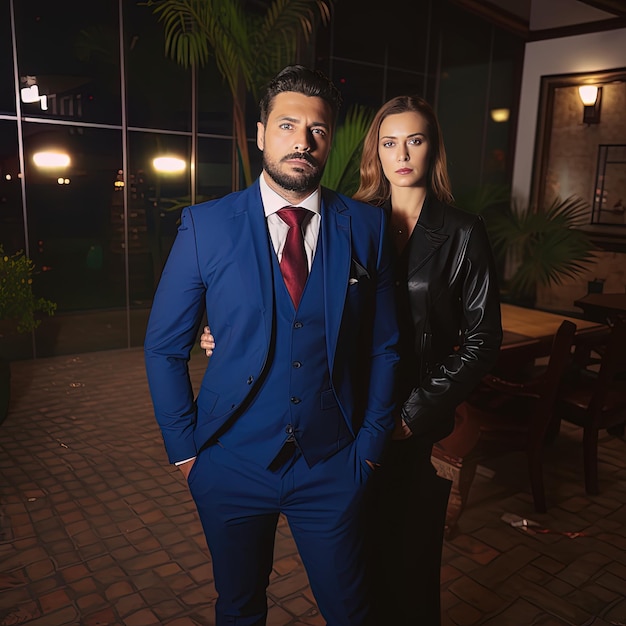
{"x":51,"y":159}
{"x":169,"y":165}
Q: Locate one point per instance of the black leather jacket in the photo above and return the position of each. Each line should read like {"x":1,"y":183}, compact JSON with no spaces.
{"x":455,"y":307}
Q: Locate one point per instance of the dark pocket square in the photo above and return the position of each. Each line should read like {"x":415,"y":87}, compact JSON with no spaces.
{"x":357,"y":272}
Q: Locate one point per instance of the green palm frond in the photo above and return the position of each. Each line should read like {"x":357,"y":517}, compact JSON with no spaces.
{"x":187,"y":26}
{"x":342,"y":167}
{"x":275,"y":36}
{"x":248,"y":47}
{"x":548,"y":245}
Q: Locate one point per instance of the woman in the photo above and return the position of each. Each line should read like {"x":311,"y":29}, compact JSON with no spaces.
{"x":449,"y":314}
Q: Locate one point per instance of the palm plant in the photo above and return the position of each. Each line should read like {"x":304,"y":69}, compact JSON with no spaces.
{"x":544,"y":246}
{"x":534,"y":247}
{"x":342,"y":168}
{"x":249,"y":48}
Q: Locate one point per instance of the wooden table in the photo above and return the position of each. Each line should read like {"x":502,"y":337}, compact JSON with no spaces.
{"x":602,"y":306}
{"x":525,"y":333}
{"x":524,"y":328}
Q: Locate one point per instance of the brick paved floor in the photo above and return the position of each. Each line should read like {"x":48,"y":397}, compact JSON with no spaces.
{"x":97,"y":529}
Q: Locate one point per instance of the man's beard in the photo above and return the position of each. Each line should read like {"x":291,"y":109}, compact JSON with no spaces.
{"x":307,"y":179}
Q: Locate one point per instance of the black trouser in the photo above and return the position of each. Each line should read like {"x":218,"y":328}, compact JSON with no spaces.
{"x":405,"y":519}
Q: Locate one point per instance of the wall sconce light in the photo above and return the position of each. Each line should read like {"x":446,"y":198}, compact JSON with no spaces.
{"x":500,"y":115}
{"x":591,"y":96}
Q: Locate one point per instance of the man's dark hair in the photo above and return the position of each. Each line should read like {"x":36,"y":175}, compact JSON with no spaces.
{"x":300,"y":79}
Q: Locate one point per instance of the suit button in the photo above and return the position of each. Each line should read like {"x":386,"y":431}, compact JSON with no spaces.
{"x":298,"y":325}
{"x":250,"y":380}
{"x":295,"y":400}
{"x":289,"y":429}
{"x":296,"y":364}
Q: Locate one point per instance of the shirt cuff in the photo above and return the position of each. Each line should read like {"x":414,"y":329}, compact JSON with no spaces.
{"x":185,"y":461}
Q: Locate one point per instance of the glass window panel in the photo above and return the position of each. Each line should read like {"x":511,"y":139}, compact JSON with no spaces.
{"x":214,"y":167}
{"x":256,"y":159}
{"x":356,"y":32}
{"x":156,"y":198}
{"x":463,"y":98}
{"x":70,"y":213}
{"x":359,"y":84}
{"x":11,"y":212}
{"x":7,"y":88}
{"x":406,"y":35}
{"x":499,"y":125}
{"x":461,"y":111}
{"x":68,"y":60}
{"x":214,"y":102}
{"x":12,"y":237}
{"x":402,"y":83}
{"x":159,"y":90}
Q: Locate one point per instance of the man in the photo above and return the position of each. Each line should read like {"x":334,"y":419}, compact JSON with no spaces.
{"x":283,"y":422}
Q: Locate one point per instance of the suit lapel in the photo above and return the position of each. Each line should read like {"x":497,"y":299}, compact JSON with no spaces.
{"x":250,"y":237}
{"x":336,"y":248}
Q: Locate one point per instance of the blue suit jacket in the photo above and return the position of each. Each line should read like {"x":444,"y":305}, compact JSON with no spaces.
{"x":221,"y":261}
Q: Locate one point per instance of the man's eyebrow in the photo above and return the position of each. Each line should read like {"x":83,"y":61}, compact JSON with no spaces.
{"x":295,"y":120}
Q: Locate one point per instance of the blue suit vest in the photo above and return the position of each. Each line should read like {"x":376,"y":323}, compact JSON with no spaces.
{"x":295,"y":399}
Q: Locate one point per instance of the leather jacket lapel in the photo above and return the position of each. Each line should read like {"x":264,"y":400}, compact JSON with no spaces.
{"x":425,"y":240}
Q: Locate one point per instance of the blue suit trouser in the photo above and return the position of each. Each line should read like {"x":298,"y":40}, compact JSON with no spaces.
{"x":239,"y":504}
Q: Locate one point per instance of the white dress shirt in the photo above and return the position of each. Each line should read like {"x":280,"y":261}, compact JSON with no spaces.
{"x":272,"y":202}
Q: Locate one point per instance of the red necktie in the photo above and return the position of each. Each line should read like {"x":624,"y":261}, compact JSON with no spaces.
{"x":293,"y":264}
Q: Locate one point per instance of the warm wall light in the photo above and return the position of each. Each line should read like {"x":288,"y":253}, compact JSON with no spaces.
{"x":591,"y":97}
{"x":500,"y":115}
{"x":51,"y":159}
{"x":168,"y":164}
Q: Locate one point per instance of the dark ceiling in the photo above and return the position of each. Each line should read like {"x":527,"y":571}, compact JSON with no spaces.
{"x":515,"y":16}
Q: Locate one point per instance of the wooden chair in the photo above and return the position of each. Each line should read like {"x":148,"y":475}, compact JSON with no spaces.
{"x":593,"y":395}
{"x":504,"y":415}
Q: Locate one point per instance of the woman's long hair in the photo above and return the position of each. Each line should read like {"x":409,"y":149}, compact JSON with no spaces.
{"x":374,"y":187}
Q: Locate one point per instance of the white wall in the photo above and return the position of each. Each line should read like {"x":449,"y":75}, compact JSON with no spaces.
{"x":590,"y":53}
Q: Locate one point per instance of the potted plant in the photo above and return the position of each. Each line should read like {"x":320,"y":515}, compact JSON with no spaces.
{"x":535,"y":247}
{"x":19,"y":309}
{"x":544,"y":246}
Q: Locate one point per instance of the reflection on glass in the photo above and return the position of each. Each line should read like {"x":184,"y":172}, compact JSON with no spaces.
{"x":11,"y":218}
{"x":71,"y":214}
{"x":609,"y":200}
{"x":168,"y":165}
{"x":68,"y":60}
{"x":158,"y":89}
{"x":51,"y":159}
{"x":155,"y":200}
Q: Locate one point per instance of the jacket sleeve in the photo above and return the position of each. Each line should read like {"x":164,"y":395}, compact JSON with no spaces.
{"x":176,"y":313}
{"x":383,"y":360}
{"x":429,"y":410}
